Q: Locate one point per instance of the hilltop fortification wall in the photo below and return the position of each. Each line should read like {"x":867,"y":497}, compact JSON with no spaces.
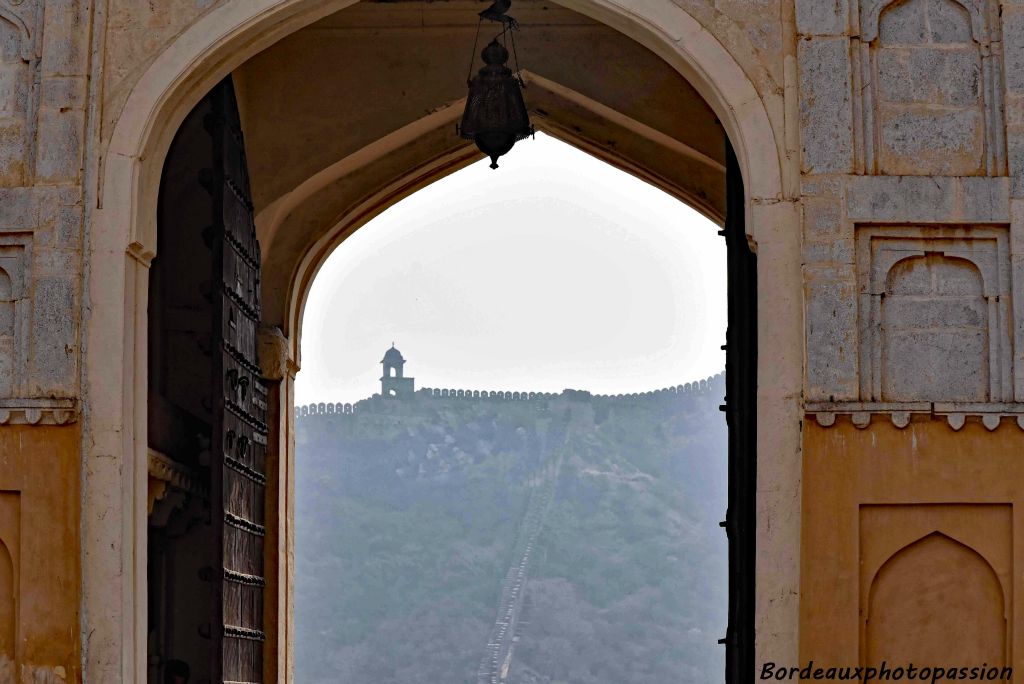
{"x":377,"y":403}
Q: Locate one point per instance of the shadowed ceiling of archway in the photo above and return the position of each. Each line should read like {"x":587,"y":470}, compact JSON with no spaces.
{"x":348,"y":106}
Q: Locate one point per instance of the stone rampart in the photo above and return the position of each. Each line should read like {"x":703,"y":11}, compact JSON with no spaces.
{"x":714,"y":383}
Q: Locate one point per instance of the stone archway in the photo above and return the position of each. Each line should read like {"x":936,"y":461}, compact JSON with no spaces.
{"x":122,"y":241}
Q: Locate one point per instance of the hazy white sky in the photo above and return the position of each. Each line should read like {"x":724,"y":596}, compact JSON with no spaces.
{"x":553,"y":271}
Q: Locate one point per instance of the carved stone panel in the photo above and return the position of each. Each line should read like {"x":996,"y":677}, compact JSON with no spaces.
{"x":934,"y":314}
{"x":931,"y":88}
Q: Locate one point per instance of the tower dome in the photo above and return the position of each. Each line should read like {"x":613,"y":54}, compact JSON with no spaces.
{"x":393,"y":356}
{"x":393,"y":382}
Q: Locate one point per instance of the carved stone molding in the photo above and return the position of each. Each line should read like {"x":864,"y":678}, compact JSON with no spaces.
{"x":175,"y":494}
{"x":165,"y":469}
{"x":956,"y":414}
{"x":38,"y":411}
{"x":171,"y":486}
{"x":274,"y":353}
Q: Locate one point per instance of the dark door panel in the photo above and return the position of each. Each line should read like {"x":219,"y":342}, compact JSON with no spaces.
{"x":741,"y":415}
{"x":238,"y":467}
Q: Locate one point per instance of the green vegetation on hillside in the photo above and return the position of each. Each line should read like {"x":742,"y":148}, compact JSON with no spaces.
{"x":408,"y":513}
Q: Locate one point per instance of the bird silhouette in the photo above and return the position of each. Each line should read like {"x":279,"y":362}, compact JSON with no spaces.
{"x":498,"y":12}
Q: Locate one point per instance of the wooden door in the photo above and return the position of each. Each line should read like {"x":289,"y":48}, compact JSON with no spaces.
{"x":238,"y":449}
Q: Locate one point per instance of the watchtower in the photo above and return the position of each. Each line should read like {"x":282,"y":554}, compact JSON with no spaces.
{"x":393,"y":383}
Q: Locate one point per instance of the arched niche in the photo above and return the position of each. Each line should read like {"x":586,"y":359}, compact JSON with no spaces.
{"x":874,"y":10}
{"x":8,"y":606}
{"x":935,"y":602}
{"x":935,"y":313}
{"x":6,"y":303}
{"x":935,"y":330}
{"x":932,"y":88}
{"x":8,"y":327}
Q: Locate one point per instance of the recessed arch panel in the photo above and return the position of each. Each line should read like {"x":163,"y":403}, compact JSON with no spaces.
{"x":934,"y":330}
{"x":8,"y":596}
{"x":936,"y":602}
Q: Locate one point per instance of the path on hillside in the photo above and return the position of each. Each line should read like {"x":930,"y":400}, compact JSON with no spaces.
{"x":497,"y":660}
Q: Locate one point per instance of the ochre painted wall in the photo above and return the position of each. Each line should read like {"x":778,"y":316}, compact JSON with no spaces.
{"x":911,"y":542}
{"x":39,"y":526}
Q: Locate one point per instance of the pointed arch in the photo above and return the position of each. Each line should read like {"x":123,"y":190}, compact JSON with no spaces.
{"x":872,"y":13}
{"x":6,"y":286}
{"x":8,"y":617}
{"x":918,"y":589}
{"x":121,"y":227}
{"x":27,"y":49}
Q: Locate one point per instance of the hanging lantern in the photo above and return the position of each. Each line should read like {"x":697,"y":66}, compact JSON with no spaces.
{"x":495,"y":117}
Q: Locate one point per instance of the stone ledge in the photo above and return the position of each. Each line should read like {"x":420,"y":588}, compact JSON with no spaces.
{"x":956,"y":414}
{"x":38,"y":411}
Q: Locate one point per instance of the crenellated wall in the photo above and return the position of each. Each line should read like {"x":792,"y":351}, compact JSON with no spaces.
{"x":709,"y":385}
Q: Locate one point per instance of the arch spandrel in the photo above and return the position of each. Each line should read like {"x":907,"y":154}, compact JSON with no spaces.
{"x":222,"y":39}
{"x":301,"y":80}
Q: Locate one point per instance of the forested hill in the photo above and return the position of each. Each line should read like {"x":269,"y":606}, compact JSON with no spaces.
{"x":558,"y":539}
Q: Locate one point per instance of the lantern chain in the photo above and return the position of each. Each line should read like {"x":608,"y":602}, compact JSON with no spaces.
{"x":472,"y":55}
{"x":515,"y":56}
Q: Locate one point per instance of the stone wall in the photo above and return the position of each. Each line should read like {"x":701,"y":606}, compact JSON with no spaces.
{"x":913,"y":279}
{"x":44,"y":64}
{"x":43,"y":102}
{"x":895,"y":507}
{"x":40,"y":489}
{"x":911,"y":252}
